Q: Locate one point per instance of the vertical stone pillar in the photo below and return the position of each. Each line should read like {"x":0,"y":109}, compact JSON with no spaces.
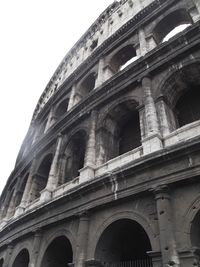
{"x":165,"y":220}
{"x":197,"y":3}
{"x":50,"y":120}
{"x":35,"y":249}
{"x":87,"y":172}
{"x":104,"y":72}
{"x":53,"y":174}
{"x":26,"y":194}
{"x":8,"y":256}
{"x":152,"y":140}
{"x":165,"y":120}
{"x":142,"y":41}
{"x":72,"y":98}
{"x":82,"y":240}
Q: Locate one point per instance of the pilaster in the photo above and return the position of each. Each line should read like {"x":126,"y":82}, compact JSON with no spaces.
{"x":152,"y":141}
{"x":82,"y":240}
{"x":87,"y":172}
{"x":35,"y":248}
{"x":169,"y":252}
{"x":53,"y":174}
{"x":26,"y":195}
{"x":8,"y":255}
{"x":142,"y":41}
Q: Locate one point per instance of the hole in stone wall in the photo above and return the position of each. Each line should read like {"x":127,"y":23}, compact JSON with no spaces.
{"x":22,"y":259}
{"x":61,"y":108}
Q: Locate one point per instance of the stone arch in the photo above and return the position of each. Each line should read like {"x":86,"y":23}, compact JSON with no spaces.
{"x":191,"y":213}
{"x":119,"y":130}
{"x":61,"y":108}
{"x":21,"y":189}
{"x":21,"y":255}
{"x":47,"y":241}
{"x":41,"y":175}
{"x":123,"y":56}
{"x":73,"y":156}
{"x":129,"y":216}
{"x":179,"y":88}
{"x":170,"y":21}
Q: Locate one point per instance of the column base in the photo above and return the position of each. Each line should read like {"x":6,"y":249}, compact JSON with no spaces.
{"x":45,"y":195}
{"x":152,"y":143}
{"x":86,"y":173}
{"x":190,"y":257}
{"x":93,"y":263}
{"x":156,"y":258}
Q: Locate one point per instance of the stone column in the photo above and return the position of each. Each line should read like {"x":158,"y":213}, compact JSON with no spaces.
{"x":35,"y":249}
{"x":88,"y":171}
{"x":72,"y":101}
{"x":142,"y":41}
{"x":53,"y":173}
{"x":50,"y":120}
{"x":165,"y":121}
{"x":152,"y":140}
{"x":8,"y":256}
{"x":166,"y":228}
{"x":26,"y":195}
{"x":105,"y":72}
{"x":82,"y":240}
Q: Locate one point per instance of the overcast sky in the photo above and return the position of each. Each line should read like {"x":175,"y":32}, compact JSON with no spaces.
{"x":35,"y":36}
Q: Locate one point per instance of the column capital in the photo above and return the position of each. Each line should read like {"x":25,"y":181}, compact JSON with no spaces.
{"x":161,"y":192}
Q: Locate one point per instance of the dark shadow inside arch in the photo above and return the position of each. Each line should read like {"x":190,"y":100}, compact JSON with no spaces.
{"x":22,"y":259}
{"x":120,"y":131}
{"x":1,"y":262}
{"x":124,"y":241}
{"x":61,"y":109}
{"x":122,"y":58}
{"x":195,"y":231}
{"x":58,"y":254}
{"x":187,"y":108}
{"x":170,"y":22}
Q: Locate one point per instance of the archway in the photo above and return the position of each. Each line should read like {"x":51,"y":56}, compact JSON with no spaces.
{"x":1,"y":262}
{"x":122,"y":58}
{"x":195,"y":231}
{"x":22,"y":259}
{"x":61,"y":109}
{"x":41,"y":177}
{"x":124,"y":243}
{"x":181,"y":92}
{"x":168,"y":26}
{"x":119,"y":131}
{"x":59,"y":253}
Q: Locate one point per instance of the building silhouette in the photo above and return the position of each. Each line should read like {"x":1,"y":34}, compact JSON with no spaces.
{"x":108,"y":173}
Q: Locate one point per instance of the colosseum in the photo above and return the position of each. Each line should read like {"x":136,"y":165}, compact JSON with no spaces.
{"x":107,"y":175}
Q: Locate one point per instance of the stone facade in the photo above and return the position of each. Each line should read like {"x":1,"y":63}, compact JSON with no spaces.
{"x":108,"y":173}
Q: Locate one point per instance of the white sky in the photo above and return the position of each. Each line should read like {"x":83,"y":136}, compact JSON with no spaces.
{"x":35,"y":35}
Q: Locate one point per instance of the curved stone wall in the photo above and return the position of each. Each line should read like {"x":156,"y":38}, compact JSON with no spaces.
{"x":112,"y":153}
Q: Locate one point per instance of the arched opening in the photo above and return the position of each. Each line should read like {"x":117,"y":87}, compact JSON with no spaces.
{"x":187,"y":108}
{"x":171,"y":25}
{"x":74,"y":157}
{"x":61,"y":108}
{"x":120,"y":132}
{"x":22,"y":259}
{"x":124,"y":243}
{"x":59,"y":253}
{"x":195,"y":231}
{"x":181,"y":91}
{"x":1,"y":262}
{"x":41,"y":177}
{"x":88,"y":84}
{"x":21,"y":190}
{"x":123,"y":58}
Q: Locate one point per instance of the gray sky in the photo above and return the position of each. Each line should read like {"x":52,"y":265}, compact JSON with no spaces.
{"x":35,"y":36}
